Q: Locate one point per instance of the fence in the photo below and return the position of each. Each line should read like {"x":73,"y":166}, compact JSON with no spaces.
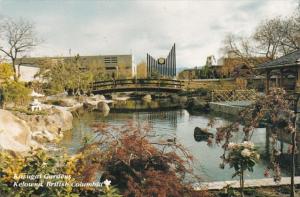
{"x":233,"y":95}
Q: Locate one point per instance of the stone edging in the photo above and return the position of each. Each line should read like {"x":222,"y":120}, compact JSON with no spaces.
{"x":265,"y":182}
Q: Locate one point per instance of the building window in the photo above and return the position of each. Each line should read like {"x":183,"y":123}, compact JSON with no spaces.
{"x":111,"y":68}
{"x":110,"y":60}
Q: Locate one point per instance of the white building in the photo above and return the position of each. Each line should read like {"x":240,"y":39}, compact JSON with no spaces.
{"x":27,"y":72}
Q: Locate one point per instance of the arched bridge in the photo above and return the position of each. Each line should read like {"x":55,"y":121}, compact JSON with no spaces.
{"x":142,"y":85}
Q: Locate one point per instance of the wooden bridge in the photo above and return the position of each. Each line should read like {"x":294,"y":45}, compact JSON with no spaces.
{"x":142,"y":85}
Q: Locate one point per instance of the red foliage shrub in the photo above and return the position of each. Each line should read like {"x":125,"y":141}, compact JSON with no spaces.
{"x":139,"y":163}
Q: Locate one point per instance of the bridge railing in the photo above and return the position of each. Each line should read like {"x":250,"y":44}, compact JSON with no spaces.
{"x":138,"y":83}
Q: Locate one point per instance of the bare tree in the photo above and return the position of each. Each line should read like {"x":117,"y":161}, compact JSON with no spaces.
{"x":292,"y":33}
{"x":278,"y":36}
{"x":269,"y":37}
{"x":17,"y":37}
{"x":241,"y":47}
{"x":242,"y":52}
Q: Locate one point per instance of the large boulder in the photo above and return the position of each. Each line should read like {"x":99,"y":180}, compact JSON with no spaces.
{"x":43,"y":136}
{"x":202,"y":134}
{"x":183,"y":100}
{"x":56,"y":121}
{"x":197,"y":104}
{"x":179,"y":100}
{"x":63,"y":101}
{"x":15,"y":133}
{"x":147,"y":98}
{"x":92,"y":102}
{"x":68,"y":102}
{"x":103,"y":107}
{"x":62,"y":118}
{"x":174,"y":98}
{"x":20,"y":131}
{"x":98,"y":97}
{"x":57,"y":96}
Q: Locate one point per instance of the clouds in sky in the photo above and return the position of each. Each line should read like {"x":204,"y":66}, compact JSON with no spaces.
{"x":137,"y":27}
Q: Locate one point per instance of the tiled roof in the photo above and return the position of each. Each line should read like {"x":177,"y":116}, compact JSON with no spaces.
{"x":291,"y":58}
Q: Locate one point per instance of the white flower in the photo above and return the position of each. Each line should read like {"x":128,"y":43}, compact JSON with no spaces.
{"x":248,"y":144}
{"x":246,"y":153}
{"x":231,"y":145}
{"x":257,"y":156}
{"x":107,"y":183}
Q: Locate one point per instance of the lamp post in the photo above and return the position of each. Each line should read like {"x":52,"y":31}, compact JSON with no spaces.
{"x":294,"y":134}
{"x":294,"y":137}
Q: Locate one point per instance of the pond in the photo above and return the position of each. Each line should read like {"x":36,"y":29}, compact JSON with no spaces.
{"x":179,"y":123}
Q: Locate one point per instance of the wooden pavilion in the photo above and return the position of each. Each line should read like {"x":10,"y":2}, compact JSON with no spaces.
{"x":282,"y":72}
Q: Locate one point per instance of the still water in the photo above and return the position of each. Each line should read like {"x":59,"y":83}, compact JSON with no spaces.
{"x":179,"y":124}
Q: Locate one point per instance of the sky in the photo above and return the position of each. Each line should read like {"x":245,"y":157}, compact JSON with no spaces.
{"x":90,"y":27}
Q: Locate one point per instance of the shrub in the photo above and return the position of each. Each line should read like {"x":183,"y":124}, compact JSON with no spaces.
{"x":241,"y":157}
{"x":6,"y":71}
{"x":15,"y":92}
{"x":39,"y":162}
{"x":131,"y":157}
{"x":139,"y":165}
{"x":202,"y":91}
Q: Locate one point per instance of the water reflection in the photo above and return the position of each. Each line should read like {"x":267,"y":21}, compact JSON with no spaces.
{"x":179,"y":124}
{"x":283,"y":145}
{"x":170,"y":116}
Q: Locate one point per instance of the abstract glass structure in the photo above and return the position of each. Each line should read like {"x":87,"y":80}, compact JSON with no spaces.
{"x":164,"y":67}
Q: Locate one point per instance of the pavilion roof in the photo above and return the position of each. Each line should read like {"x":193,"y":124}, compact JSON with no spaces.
{"x":290,"y":59}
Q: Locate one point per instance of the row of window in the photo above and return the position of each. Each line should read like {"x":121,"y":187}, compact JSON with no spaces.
{"x":110,"y":60}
